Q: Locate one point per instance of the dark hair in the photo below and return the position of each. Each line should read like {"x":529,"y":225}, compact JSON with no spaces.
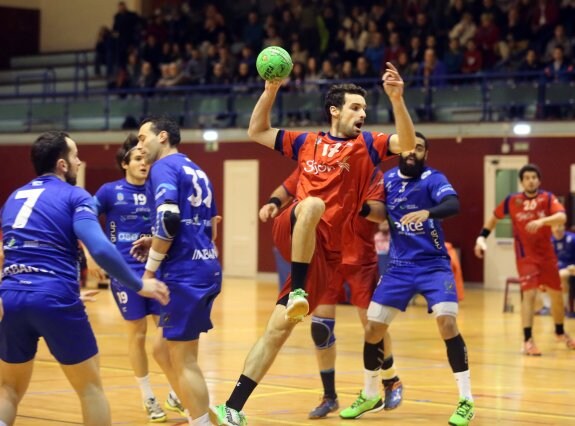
{"x":124,"y":153}
{"x":529,"y":168}
{"x":336,"y":96}
{"x":164,"y":124}
{"x":422,"y":137}
{"x":47,"y":149}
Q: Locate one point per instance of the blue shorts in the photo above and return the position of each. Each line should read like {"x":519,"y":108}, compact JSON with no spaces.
{"x":132,"y":306}
{"x":188,"y":312}
{"x":61,"y":321}
{"x":433,"y":280}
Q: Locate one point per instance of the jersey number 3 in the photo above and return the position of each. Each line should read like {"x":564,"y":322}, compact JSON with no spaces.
{"x":196,"y":200}
{"x":31,"y":196}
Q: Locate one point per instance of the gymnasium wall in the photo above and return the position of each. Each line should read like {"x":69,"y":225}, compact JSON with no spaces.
{"x":461,"y":162}
{"x":71,"y":25}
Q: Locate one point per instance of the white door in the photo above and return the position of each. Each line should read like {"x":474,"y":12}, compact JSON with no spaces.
{"x":500,"y":179}
{"x":240,"y":218}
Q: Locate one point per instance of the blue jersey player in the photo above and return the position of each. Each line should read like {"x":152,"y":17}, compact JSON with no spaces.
{"x":125,"y":206}
{"x":417,"y":198}
{"x":564,"y":245}
{"x":183,"y":253}
{"x":41,"y":224}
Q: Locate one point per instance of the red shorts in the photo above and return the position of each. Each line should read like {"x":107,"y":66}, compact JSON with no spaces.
{"x":538,"y":273}
{"x":323,"y":264}
{"x":362,"y":280}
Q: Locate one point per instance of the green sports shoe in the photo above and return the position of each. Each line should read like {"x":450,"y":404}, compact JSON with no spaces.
{"x":463,"y":414}
{"x":361,"y":406}
{"x":297,"y":306}
{"x":222,"y":415}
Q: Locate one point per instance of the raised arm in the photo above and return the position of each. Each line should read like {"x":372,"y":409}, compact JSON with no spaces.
{"x":404,"y":139}
{"x":260,"y":129}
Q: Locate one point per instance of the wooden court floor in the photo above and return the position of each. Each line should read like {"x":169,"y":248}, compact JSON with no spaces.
{"x":509,"y":389}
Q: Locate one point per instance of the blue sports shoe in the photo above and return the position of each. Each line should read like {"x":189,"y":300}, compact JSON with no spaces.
{"x":328,"y":405}
{"x":393,"y":394}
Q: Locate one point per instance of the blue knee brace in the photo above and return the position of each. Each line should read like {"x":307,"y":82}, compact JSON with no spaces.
{"x":322,"y":332}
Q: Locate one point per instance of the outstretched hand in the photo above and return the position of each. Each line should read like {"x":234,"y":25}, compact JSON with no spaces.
{"x":140,"y":248}
{"x":392,"y":82}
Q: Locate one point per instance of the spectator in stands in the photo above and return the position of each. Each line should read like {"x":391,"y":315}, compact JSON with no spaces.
{"x":244,"y":81}
{"x":346,"y":72}
{"x":147,"y":79}
{"x":247,"y":55}
{"x":472,"y":59}
{"x":455,"y":13}
{"x":516,"y":27}
{"x":453,"y":58}
{"x":151,"y":52}
{"x":297,"y":78}
{"x":297,"y":54}
{"x":375,"y":51}
{"x":487,"y":37}
{"x":218,"y":77}
{"x":355,"y":41}
{"x":125,"y":29}
{"x":559,"y":39}
{"x":464,"y":30}
{"x":104,"y":54}
{"x":196,"y":67}
{"x":489,"y":7}
{"x":406,"y":69}
{"x":312,"y":75}
{"x":416,"y":50}
{"x":543,"y":20}
{"x":431,"y":70}
{"x":559,"y":69}
{"x":393,"y":50}
{"x":287,"y":25}
{"x":227,"y":60}
{"x":530,"y":67}
{"x":272,"y":37}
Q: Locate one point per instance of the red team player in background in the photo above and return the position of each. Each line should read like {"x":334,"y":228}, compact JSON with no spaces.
{"x":359,"y":268}
{"x":336,"y":172}
{"x":533,"y":212}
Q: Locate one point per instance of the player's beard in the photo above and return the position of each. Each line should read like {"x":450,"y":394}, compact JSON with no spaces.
{"x":412,"y":170}
{"x":68,"y":175}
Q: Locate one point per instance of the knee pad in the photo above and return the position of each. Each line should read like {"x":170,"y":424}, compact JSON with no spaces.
{"x":445,"y":308}
{"x":322,"y":332}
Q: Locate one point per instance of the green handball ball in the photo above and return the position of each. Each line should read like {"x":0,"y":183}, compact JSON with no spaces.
{"x":274,"y":63}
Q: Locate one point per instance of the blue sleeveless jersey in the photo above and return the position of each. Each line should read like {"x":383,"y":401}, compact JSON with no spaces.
{"x":128,"y":216}
{"x":415,"y":242}
{"x":193,"y":256}
{"x":40,"y":247}
{"x":565,"y":249}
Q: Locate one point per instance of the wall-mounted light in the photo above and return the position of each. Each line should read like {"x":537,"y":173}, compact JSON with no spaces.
{"x":522,"y":129}
{"x":210,"y":135}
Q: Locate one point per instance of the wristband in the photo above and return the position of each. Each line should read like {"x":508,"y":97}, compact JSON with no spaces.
{"x":484,"y":233}
{"x":276,"y":201}
{"x":154,"y":260}
{"x":365,"y":210}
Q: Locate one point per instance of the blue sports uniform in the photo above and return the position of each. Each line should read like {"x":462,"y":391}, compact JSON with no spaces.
{"x":40,"y":283}
{"x":565,"y":250}
{"x":191,"y":268}
{"x":127,"y":214}
{"x":418,"y":259}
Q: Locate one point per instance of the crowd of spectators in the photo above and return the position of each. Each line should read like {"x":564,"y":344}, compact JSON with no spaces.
{"x":216,"y":43}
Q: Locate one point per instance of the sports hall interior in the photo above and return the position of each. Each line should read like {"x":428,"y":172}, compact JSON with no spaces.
{"x":482,"y":128}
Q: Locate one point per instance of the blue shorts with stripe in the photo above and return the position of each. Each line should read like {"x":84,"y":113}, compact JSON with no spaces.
{"x":432,"y":279}
{"x":132,"y":306}
{"x":61,"y":321}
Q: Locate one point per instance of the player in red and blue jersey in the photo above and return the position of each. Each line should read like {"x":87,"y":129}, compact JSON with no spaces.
{"x":125,"y":205}
{"x":359,"y":269}
{"x":533,"y":212}
{"x":184,"y":254}
{"x":417,"y":198}
{"x":336,"y":170}
{"x":41,"y":225}
{"x":564,"y":245}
